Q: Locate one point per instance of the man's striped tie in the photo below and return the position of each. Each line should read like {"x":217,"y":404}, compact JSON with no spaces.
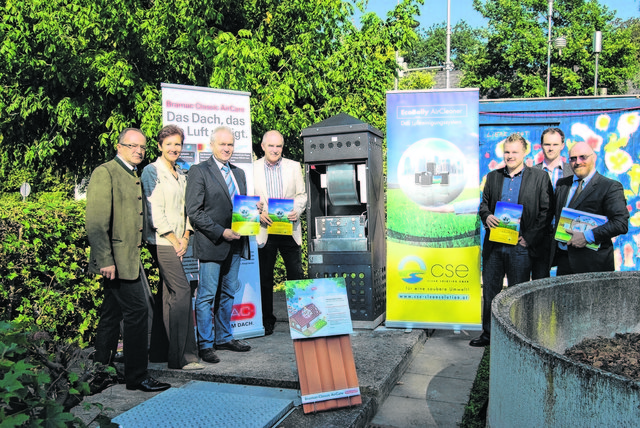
{"x":229,"y":180}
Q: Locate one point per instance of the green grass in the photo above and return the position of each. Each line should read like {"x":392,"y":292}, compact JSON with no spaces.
{"x":406,"y":217}
{"x":475,"y":412}
{"x":508,"y":226}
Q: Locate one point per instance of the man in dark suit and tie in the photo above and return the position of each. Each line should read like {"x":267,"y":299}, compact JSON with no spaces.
{"x":209,"y":199}
{"x":114,"y":223}
{"x":552,"y":141}
{"x":531,"y":188}
{"x":590,"y":192}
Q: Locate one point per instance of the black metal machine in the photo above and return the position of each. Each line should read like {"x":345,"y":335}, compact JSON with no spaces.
{"x":345,"y":212}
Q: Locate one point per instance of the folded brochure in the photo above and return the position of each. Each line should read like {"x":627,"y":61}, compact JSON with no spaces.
{"x":246,"y":218}
{"x":577,"y":221}
{"x":279,"y":210}
{"x":508,"y":230}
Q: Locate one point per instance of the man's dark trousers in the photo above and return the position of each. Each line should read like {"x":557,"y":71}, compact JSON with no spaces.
{"x":512,"y":260}
{"x":291,"y":255}
{"x":124,"y":300}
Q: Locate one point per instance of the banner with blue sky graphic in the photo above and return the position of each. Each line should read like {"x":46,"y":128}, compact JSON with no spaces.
{"x":433,"y":194}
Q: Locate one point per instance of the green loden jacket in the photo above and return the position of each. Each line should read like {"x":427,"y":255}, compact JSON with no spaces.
{"x":114,"y":219}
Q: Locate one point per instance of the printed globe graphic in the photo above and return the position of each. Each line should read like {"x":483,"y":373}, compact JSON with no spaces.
{"x":431,"y":172}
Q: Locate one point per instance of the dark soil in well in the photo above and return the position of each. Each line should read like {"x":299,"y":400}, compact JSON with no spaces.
{"x":619,"y":355}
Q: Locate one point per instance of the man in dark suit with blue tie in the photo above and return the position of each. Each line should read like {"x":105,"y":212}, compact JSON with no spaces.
{"x":209,"y":200}
{"x":590,"y":192}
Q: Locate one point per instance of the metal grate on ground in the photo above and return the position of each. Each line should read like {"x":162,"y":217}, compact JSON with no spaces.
{"x":209,"y":404}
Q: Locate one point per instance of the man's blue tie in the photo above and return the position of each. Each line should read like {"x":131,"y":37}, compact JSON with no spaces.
{"x":229,"y":180}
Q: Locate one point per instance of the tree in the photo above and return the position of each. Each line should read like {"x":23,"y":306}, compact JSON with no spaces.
{"x":514,"y":63}
{"x":633,"y":26}
{"x":306,"y":61}
{"x":76,"y":72}
{"x":431,"y":48}
{"x":417,"y":80}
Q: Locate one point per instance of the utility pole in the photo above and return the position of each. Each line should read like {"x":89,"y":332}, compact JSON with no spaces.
{"x":447,"y":65}
{"x":549,"y":49}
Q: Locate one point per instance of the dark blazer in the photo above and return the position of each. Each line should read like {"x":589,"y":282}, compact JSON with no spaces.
{"x":566,"y":169}
{"x":115,"y":219}
{"x":210,"y":209}
{"x":536,"y":198}
{"x":601,"y":196}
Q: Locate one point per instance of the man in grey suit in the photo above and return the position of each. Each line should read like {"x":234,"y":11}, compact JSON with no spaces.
{"x":209,"y":199}
{"x":590,"y":192}
{"x":552,"y":141}
{"x":280,"y":178}
{"x":114,"y":223}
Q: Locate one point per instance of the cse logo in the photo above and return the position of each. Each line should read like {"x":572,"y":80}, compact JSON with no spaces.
{"x":412,"y":270}
{"x":243,"y":312}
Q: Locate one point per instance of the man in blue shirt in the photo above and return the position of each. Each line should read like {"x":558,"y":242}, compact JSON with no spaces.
{"x":525,"y":186}
{"x":552,"y":141}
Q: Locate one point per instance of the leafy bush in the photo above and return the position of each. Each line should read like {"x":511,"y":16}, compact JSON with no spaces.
{"x":43,"y":264}
{"x":41,"y":379}
{"x":43,"y":267}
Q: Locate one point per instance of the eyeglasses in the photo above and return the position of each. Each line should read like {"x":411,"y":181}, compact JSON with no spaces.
{"x":582,"y":158}
{"x":134,"y":146}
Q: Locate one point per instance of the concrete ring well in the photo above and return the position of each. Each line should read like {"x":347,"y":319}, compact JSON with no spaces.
{"x":531,"y":383}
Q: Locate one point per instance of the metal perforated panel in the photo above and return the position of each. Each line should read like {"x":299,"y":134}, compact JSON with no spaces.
{"x":189,"y":407}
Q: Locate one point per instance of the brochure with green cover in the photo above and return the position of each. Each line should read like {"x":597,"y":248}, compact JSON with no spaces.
{"x":508,"y":230}
{"x":245,"y":219}
{"x":577,"y":221}
{"x":279,"y":210}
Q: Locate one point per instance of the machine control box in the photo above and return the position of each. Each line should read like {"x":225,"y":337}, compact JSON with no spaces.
{"x":340,"y":227}
{"x":340,"y":233}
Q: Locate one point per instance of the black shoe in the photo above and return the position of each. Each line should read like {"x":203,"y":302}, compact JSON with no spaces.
{"x":480,"y":341}
{"x":209,"y":356}
{"x":150,"y":385}
{"x":268,"y":329}
{"x":101,"y":381}
{"x":234,"y":345}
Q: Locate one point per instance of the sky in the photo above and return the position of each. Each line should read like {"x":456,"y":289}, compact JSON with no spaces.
{"x":435,"y":11}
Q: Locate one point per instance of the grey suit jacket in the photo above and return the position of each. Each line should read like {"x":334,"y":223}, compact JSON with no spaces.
{"x":210,"y":210}
{"x":293,"y":188}
{"x":115,"y":219}
{"x":601,"y":196}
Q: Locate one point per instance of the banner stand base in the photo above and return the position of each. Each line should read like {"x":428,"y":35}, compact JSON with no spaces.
{"x":369,"y":325}
{"x":457,"y":328}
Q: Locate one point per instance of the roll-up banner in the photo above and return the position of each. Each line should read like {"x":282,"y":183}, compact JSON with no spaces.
{"x":433,"y":195}
{"x":199,"y":111}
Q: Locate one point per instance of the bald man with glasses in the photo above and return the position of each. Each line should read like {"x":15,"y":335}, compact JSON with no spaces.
{"x":593,"y":193}
{"x":114,"y":224}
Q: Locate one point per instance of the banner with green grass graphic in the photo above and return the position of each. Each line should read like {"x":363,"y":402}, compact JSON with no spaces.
{"x":433,"y":194}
